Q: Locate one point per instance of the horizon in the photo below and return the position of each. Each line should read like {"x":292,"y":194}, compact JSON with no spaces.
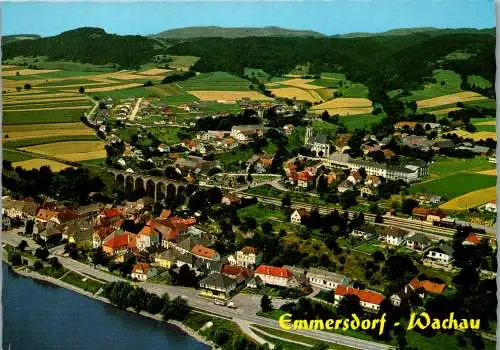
{"x":348,"y":16}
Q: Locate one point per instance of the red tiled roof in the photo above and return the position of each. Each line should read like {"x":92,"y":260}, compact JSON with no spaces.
{"x":273,"y":271}
{"x":103,"y":231}
{"x":367,"y":296}
{"x":203,"y":251}
{"x":165,"y":213}
{"x":146,"y":231}
{"x":111,"y":213}
{"x":45,"y":214}
{"x":421,"y":211}
{"x":430,"y":287}
{"x":141,"y":268}
{"x":473,"y":239}
{"x":305,"y":176}
{"x":124,"y":240}
{"x":236,"y":271}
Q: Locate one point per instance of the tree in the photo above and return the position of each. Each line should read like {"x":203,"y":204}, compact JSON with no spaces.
{"x":175,"y":309}
{"x":38,"y":265}
{"x":379,"y":219}
{"x":81,"y":90}
{"x":265,"y":303}
{"x":349,"y":305}
{"x":18,"y":88}
{"x":347,"y":199}
{"x":42,"y":253}
{"x":27,"y":86}
{"x":320,"y":346}
{"x":54,"y":262}
{"x":28,"y":230}
{"x":148,"y":83}
{"x":22,"y":245}
{"x":286,"y":201}
{"x":408,"y":206}
{"x":15,"y":258}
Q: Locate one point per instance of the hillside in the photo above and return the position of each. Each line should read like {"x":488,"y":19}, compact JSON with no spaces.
{"x":88,"y":45}
{"x":382,"y":63}
{"x":220,"y":32}
{"x":10,"y":38}
{"x":431,"y":31}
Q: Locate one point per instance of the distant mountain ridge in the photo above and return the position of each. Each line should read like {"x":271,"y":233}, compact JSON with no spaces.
{"x":222,"y":32}
{"x":419,"y":30}
{"x":10,"y":38}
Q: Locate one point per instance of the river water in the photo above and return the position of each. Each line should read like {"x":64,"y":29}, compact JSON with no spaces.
{"x":38,"y":315}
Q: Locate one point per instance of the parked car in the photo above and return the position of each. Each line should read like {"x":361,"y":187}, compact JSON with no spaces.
{"x":220,"y":302}
{"x":231,"y":305}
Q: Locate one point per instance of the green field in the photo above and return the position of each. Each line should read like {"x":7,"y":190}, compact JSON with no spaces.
{"x":261,"y":213}
{"x":67,"y":82}
{"x":444,"y":166}
{"x":47,"y":116}
{"x":167,"y":135}
{"x":490,"y":103}
{"x":45,"y":104}
{"x":455,"y":185}
{"x":452,"y":84}
{"x":175,"y":100}
{"x":215,"y":81}
{"x":361,"y":121}
{"x":479,"y":81}
{"x":43,"y":140}
{"x":14,"y":156}
{"x":183,"y":62}
{"x":125,"y":93}
{"x":89,"y":285}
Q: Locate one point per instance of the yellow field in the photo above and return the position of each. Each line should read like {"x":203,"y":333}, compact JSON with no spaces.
{"x":7,"y":66}
{"x":476,"y":136}
{"x":463,"y":96}
{"x":10,"y":73}
{"x":490,"y":122}
{"x":445,"y":111}
{"x":39,"y":162}
{"x":471,"y":199}
{"x":70,"y":150}
{"x":296,"y":93}
{"x":492,"y":172}
{"x":346,"y":111}
{"x":154,"y":71}
{"x":46,"y":109}
{"x":26,"y":131}
{"x":301,"y":83}
{"x":114,"y":87}
{"x":228,"y":95}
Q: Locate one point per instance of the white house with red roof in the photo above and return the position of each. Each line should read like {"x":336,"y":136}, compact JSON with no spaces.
{"x":247,"y":256}
{"x":367,"y":298}
{"x":491,"y":206}
{"x":205,"y":253}
{"x":276,"y":276}
{"x":148,"y":236}
{"x":142,"y":271}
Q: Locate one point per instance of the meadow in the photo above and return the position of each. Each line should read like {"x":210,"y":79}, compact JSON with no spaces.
{"x":219,"y":81}
{"x":70,"y":150}
{"x":444,"y":166}
{"x":43,"y":116}
{"x":454,"y":185}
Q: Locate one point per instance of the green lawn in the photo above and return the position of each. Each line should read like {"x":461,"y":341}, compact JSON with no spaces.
{"x":261,"y":213}
{"x":444,"y":166}
{"x":215,"y":81}
{"x":367,"y":248}
{"x":167,"y":135}
{"x":52,"y":272}
{"x":43,"y":140}
{"x":452,"y":84}
{"x":454,"y":185}
{"x":361,"y":121}
{"x":15,"y":156}
{"x":89,"y":285}
{"x":44,"y":116}
{"x":44,"y":104}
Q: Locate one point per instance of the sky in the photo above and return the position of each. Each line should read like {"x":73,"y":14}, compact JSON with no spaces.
{"x":325,"y":16}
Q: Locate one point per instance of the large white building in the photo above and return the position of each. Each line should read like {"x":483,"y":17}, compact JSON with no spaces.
{"x":276,"y":276}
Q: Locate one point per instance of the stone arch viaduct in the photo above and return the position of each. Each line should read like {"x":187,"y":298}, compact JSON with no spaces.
{"x":155,"y":187}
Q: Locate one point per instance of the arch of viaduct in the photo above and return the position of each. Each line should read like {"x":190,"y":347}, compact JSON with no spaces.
{"x":153,"y":186}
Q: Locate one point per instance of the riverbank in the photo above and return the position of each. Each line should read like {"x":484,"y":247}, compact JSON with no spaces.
{"x":21,"y":271}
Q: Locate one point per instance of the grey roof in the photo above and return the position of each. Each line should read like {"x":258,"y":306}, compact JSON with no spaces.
{"x":83,"y":235}
{"x":319,"y":138}
{"x":339,"y":157}
{"x":190,"y":242}
{"x":480,"y":149}
{"x":187,"y":258}
{"x":169,"y":254}
{"x":395,"y":231}
{"x":445,"y":248}
{"x":325,"y":274}
{"x":218,"y":280}
{"x":419,"y":238}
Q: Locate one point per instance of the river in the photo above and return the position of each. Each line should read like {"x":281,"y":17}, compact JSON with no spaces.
{"x":38,"y":315}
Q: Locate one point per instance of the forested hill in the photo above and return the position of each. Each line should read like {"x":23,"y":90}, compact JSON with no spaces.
{"x":88,"y":45}
{"x":10,"y":38}
{"x":431,"y":31}
{"x":220,"y":32}
{"x":383,"y":63}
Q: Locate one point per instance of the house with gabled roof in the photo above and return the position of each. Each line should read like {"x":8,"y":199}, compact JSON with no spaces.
{"x":299,"y":215}
{"x":418,"y":241}
{"x":368,"y":299}
{"x":205,"y":253}
{"x":471,"y":240}
{"x":393,"y":235}
{"x":366,"y":231}
{"x":166,"y":259}
{"x":248,"y":257}
{"x":442,"y":255}
{"x":119,"y":244}
{"x":217,"y":285}
{"x":326,"y":279}
{"x":143,"y":271}
{"x":148,"y":236}
{"x":277,"y":276}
